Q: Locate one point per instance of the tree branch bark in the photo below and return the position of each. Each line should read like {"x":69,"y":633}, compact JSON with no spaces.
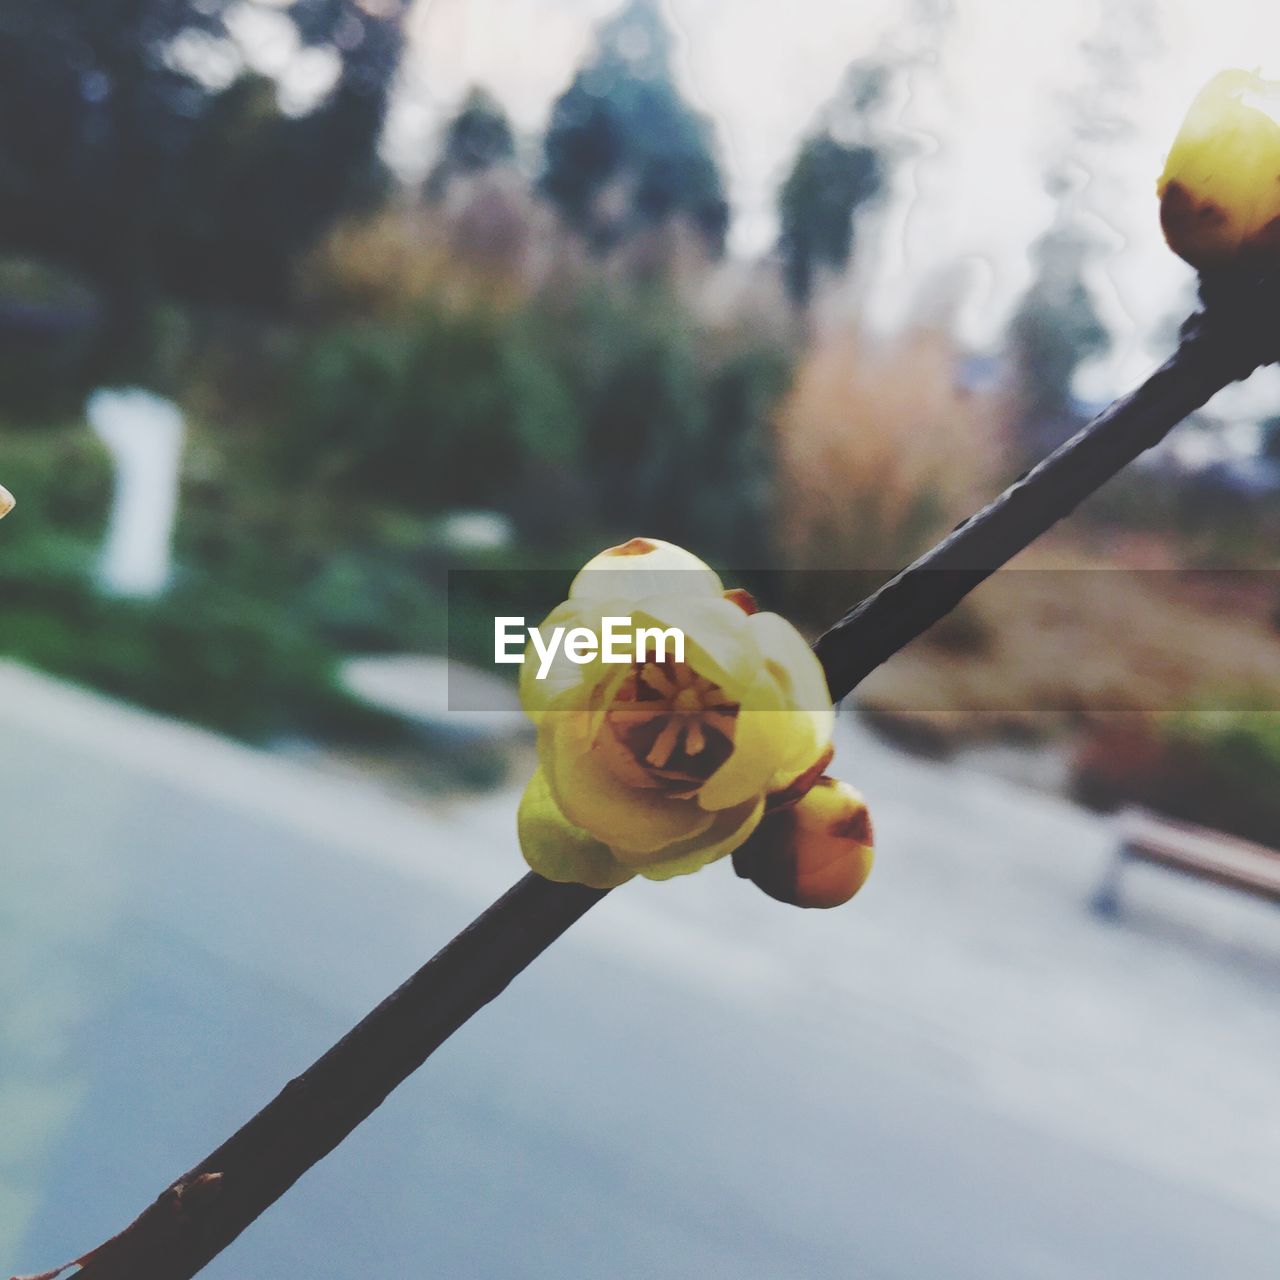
{"x":202,"y":1212}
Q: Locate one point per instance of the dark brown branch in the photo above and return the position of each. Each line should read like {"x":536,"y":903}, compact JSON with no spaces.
{"x":206,"y":1209}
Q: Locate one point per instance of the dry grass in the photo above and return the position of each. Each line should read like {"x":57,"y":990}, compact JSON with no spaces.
{"x":880,"y":451}
{"x":491,"y":238}
{"x":1068,"y":640}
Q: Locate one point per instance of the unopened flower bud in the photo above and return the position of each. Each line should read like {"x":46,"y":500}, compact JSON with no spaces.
{"x":817,"y":853}
{"x":6,"y":502}
{"x":1220,"y":190}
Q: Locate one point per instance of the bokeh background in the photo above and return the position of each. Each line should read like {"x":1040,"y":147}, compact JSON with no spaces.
{"x":304,"y":306}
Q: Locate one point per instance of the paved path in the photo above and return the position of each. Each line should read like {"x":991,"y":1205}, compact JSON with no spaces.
{"x":961,"y":1075}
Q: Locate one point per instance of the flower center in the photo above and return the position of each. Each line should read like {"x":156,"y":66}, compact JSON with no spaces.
{"x":674,"y":723}
{"x":686,"y":703}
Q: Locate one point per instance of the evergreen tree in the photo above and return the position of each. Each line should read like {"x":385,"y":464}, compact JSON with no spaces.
{"x":478,"y":138}
{"x":837,"y":170}
{"x":1055,"y":330}
{"x":623,"y":150}
{"x":1057,"y":327}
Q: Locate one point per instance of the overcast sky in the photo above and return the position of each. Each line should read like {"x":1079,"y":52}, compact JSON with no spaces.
{"x":983,"y":121}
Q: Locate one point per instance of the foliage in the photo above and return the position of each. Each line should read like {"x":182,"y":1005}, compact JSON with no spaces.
{"x":675,"y":430}
{"x":607,"y":410}
{"x":234,"y":644}
{"x":453,"y":408}
{"x":1238,"y":754}
{"x":47,"y":331}
{"x":1216,"y":768}
{"x":138,"y":147}
{"x":623,"y":150}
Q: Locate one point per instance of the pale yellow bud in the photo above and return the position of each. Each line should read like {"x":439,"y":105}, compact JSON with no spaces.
{"x":6,"y":502}
{"x":1220,"y":190}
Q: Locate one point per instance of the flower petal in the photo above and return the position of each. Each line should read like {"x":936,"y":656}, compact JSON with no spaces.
{"x":563,"y":674}
{"x":593,"y":796}
{"x":731,"y":829}
{"x":537,"y":694}
{"x":644,"y":567}
{"x":804,"y":687}
{"x":718,"y":643}
{"x":761,"y":744}
{"x":557,"y":850}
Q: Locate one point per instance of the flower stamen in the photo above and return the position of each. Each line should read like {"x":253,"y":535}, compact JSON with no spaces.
{"x":688,"y":707}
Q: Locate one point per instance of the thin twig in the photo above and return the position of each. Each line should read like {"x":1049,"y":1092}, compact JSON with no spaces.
{"x":206,"y":1209}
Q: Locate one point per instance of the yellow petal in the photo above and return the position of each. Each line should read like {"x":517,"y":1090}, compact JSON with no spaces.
{"x":557,"y":850}
{"x":804,"y":687}
{"x":1220,"y":189}
{"x":563,"y":675}
{"x":718,"y":643}
{"x":644,"y":567}
{"x":538,"y":694}
{"x":761,"y":744}
{"x":593,"y":796}
{"x":731,"y":829}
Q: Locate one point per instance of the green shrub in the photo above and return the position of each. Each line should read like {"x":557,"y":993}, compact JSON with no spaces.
{"x":614,"y":411}
{"x":452,"y":410}
{"x":1234,"y":762}
{"x":676,"y":420}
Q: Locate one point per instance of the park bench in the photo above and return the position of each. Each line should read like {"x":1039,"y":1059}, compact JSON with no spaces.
{"x":1192,"y":851}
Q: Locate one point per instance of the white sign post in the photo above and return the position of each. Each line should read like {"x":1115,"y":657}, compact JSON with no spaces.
{"x":144,"y":435}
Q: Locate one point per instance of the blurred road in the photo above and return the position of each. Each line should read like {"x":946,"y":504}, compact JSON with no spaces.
{"x":963,"y":1074}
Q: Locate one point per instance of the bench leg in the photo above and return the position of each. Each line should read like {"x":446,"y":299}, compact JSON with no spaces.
{"x":1106,"y":898}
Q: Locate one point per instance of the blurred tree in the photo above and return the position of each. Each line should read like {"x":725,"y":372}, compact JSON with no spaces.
{"x":138,"y":146}
{"x":624,"y":150}
{"x":846,"y":165}
{"x":838,"y":170}
{"x":1055,"y":329}
{"x":478,"y":138}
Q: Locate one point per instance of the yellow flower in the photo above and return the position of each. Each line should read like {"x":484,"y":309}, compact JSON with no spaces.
{"x":817,"y":853}
{"x":1220,"y":190}
{"x":6,"y":502}
{"x":658,"y":767}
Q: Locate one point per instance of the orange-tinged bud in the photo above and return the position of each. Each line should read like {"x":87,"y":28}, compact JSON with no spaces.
{"x":817,"y":853}
{"x":6,"y":502}
{"x":743,"y":599}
